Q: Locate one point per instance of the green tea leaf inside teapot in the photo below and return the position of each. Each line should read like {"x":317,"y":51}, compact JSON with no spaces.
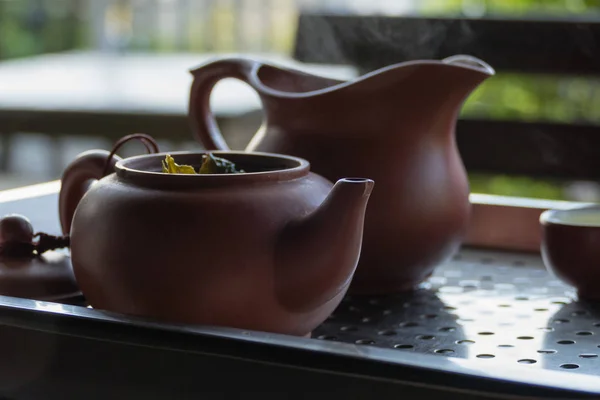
{"x":217,"y":165}
{"x":169,"y":166}
{"x":210,"y":165}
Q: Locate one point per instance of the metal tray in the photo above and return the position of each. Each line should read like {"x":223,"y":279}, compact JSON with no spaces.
{"x":501,"y":307}
{"x":486,"y":325}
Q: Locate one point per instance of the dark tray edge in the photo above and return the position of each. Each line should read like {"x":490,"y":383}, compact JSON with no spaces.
{"x":375,"y":364}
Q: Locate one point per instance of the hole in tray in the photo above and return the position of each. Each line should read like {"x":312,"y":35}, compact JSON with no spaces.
{"x":525,"y":337}
{"x":540,"y":309}
{"x":518,"y":263}
{"x":386,"y":311}
{"x":374,"y":302}
{"x":469,"y":284}
{"x":566,"y":342}
{"x":485,"y":356}
{"x":538,"y":273}
{"x":486,"y":278}
{"x":503,"y":270}
{"x":560,"y":303}
{"x":387,"y":332}
{"x":584,"y":333}
{"x":365,"y":319}
{"x":327,"y":337}
{"x":504,"y":305}
{"x":578,"y":313}
{"x":546,"y":351}
{"x":457,"y":257}
{"x":522,"y":298}
{"x":597,"y":324}
{"x":365,"y":341}
{"x":527,"y":361}
{"x":505,"y":346}
{"x":332,"y":317}
{"x":348,"y":329}
{"x":445,"y":351}
{"x":561,"y":321}
{"x":588,"y":355}
{"x":486,"y":260}
{"x":447,"y":329}
{"x":403,"y":346}
{"x":547,"y":329}
{"x":466,"y":341}
{"x":486,"y":333}
{"x":450,"y":308}
{"x":408,"y":324}
{"x":353,"y":309}
{"x":569,"y":366}
{"x":429,"y":316}
{"x":426,"y":337}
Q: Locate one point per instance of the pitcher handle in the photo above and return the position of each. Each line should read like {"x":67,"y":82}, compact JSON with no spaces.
{"x":202,"y":120}
{"x":88,"y":167}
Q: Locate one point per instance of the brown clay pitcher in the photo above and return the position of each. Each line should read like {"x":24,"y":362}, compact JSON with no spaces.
{"x":273,"y":249}
{"x":395,"y":125}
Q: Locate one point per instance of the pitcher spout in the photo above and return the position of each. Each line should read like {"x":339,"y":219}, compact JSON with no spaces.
{"x":462,"y":74}
{"x":470,"y":62}
{"x":316,"y":256}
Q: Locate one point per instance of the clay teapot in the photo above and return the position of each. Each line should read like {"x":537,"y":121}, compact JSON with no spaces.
{"x":272,"y":249}
{"x":395,"y":125}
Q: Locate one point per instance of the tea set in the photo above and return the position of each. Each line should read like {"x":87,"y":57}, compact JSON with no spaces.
{"x":348,"y":187}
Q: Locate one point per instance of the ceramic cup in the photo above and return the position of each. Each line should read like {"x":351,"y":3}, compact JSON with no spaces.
{"x":571,"y":247}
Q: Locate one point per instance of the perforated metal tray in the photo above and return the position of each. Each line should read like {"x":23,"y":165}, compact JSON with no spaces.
{"x":502,"y":307}
{"x":486,"y":325}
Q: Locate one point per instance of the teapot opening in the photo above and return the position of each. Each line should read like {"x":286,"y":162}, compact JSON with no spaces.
{"x":257,"y":167}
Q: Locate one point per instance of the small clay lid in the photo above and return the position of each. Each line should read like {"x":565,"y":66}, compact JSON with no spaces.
{"x":47,"y":277}
{"x":32,"y":268}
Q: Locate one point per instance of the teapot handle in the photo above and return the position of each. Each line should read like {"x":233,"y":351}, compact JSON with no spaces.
{"x":204,"y":126}
{"x":76,"y":180}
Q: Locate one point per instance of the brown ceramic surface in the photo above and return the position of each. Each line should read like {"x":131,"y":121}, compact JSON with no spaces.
{"x":47,"y":277}
{"x":271,"y":250}
{"x":395,"y":126}
{"x":571,"y":248}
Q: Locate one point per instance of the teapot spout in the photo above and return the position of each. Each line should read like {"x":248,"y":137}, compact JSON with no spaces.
{"x":316,"y":256}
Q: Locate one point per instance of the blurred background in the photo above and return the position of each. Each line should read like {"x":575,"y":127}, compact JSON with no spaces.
{"x":192,"y":29}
